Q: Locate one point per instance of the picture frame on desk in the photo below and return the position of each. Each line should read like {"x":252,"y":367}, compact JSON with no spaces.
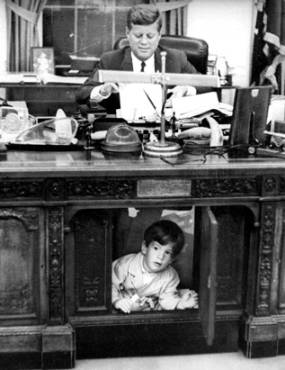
{"x":42,"y":60}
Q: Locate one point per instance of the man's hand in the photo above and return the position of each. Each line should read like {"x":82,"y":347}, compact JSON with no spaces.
{"x":108,"y":88}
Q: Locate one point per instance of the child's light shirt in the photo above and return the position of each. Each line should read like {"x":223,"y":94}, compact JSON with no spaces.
{"x":129,"y":277}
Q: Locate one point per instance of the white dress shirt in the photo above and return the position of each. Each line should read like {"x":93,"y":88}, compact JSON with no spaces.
{"x":149,"y":64}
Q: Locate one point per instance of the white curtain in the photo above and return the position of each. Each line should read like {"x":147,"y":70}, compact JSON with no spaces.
{"x":22,"y":21}
{"x":174,"y":15}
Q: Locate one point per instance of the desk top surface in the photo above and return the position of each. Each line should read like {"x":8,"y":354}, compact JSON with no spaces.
{"x":75,"y":163}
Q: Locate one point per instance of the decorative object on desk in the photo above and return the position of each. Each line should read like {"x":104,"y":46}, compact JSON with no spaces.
{"x":121,"y":139}
{"x":196,"y":135}
{"x":55,"y":131}
{"x":13,"y":120}
{"x":222,"y":69}
{"x":63,"y":128}
{"x":88,"y":145}
{"x":43,"y":62}
{"x":211,"y":64}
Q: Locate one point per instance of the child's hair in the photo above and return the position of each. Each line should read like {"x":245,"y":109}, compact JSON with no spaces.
{"x":164,"y":232}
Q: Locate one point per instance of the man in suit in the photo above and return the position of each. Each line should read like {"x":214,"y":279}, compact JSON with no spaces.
{"x":143,"y":32}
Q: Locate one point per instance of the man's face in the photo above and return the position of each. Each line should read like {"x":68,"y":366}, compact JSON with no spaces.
{"x":143,"y":40}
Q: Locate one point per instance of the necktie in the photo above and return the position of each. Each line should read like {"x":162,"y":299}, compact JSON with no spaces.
{"x":142,"y":66}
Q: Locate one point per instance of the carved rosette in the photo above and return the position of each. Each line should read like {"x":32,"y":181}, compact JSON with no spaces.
{"x":265,"y":259}
{"x":224,"y":187}
{"x":54,"y":189}
{"x":106,"y":188}
{"x":56,"y":278}
{"x":270,"y":185}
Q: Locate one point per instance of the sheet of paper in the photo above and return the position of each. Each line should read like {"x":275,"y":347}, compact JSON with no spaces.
{"x":190,"y":106}
{"x":135,"y":102}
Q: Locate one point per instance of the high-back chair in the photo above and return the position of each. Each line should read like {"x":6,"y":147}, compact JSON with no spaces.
{"x":196,"y":49}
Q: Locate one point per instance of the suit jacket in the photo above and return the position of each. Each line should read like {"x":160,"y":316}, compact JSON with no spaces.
{"x":120,"y":60}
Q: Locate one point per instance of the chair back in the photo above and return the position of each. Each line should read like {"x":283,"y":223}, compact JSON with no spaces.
{"x":195,"y":49}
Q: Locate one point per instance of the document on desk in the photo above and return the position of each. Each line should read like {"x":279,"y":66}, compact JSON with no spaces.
{"x":195,"y":105}
{"x":140,"y":102}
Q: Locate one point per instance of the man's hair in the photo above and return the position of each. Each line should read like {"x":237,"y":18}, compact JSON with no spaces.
{"x":144,"y":14}
{"x":164,"y":232}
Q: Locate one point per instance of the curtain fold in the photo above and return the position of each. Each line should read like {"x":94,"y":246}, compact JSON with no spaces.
{"x":22,"y":21}
{"x":173,"y":16}
{"x":268,"y":48}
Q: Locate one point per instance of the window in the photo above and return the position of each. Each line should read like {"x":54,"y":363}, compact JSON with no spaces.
{"x":83,"y":27}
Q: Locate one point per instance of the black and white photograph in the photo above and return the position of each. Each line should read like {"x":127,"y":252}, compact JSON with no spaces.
{"x":42,"y":60}
{"x":142,"y":184}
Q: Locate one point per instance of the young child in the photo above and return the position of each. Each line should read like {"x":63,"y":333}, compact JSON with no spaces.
{"x":145,"y":281}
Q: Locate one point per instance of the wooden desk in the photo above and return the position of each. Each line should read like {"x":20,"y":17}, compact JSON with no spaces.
{"x":57,"y":242}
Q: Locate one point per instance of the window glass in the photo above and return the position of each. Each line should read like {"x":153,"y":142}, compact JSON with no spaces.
{"x":83,"y":27}
{"x":58,"y":32}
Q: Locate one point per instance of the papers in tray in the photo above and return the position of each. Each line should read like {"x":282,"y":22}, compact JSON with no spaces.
{"x":191,"y":106}
{"x":140,"y":102}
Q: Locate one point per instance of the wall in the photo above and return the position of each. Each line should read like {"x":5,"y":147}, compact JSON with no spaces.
{"x":226,"y":25}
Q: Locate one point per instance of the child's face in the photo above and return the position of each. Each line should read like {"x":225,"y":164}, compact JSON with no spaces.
{"x":156,"y":256}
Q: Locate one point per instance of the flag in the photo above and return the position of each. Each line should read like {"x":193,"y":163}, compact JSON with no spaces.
{"x":268,"y":51}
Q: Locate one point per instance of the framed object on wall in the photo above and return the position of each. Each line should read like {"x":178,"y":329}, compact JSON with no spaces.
{"x":42,"y":60}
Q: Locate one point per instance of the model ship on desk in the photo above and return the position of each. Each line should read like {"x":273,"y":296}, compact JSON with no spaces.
{"x":51,"y":132}
{"x":82,"y":65}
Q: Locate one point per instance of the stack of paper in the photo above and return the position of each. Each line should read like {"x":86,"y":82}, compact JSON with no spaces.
{"x":191,"y":106}
{"x":140,"y":102}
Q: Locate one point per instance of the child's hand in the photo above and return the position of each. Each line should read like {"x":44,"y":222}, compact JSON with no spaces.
{"x":124,"y":304}
{"x":189,"y":300}
{"x":140,"y":303}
